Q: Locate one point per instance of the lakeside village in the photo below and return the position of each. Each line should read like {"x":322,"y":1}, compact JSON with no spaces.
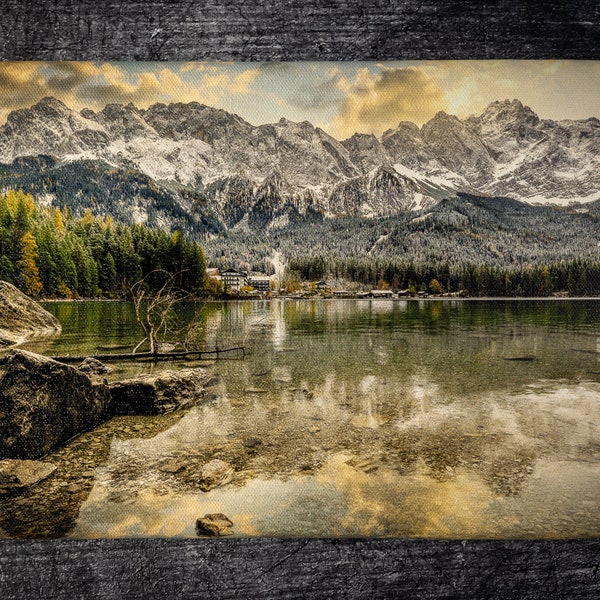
{"x":241,"y":284}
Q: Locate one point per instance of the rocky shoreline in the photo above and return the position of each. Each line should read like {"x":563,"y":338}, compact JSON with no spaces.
{"x":45,"y":403}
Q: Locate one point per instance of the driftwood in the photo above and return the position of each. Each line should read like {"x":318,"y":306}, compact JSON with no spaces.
{"x":156,"y":356}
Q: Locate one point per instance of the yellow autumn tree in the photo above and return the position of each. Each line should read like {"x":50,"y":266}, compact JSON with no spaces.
{"x":28,"y":266}
{"x":59,"y":225}
{"x":88,"y":218}
{"x":13,"y":198}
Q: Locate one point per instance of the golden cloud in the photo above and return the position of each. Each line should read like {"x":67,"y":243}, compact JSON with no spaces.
{"x":375,"y":102}
{"x":18,"y":83}
{"x":92,"y":85}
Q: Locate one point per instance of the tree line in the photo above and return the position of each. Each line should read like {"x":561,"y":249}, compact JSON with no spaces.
{"x":49,"y":252}
{"x":577,"y":277}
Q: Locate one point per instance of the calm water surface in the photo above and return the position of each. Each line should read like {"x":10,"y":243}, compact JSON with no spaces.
{"x":346,"y":418}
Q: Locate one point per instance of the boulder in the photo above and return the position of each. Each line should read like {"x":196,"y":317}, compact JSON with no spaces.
{"x":214,"y":525}
{"x":215,"y":473}
{"x":22,"y":318}
{"x":92,"y":366}
{"x":157,"y":393}
{"x":21,"y":474}
{"x":44,"y":403}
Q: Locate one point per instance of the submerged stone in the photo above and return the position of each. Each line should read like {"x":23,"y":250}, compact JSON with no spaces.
{"x":44,"y":403}
{"x":20,"y":474}
{"x":214,"y":525}
{"x":173,"y":465}
{"x":215,"y":473}
{"x":157,"y":393}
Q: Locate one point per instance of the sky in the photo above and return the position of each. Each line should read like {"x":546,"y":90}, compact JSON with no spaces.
{"x":340,"y":97}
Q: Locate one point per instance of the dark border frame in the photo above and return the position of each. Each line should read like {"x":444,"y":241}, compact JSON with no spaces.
{"x":298,"y":30}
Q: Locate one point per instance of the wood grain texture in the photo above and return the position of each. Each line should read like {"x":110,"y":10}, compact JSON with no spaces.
{"x":298,"y":30}
{"x":266,"y":568}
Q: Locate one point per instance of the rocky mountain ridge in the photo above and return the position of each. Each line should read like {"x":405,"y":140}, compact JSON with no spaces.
{"x":215,"y":162}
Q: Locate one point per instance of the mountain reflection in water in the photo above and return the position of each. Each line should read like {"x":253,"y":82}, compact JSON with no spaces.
{"x":348,"y":418}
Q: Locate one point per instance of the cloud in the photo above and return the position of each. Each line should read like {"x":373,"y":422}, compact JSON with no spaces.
{"x":229,"y":83}
{"x":18,"y":83}
{"x":341,"y":97}
{"x":318,"y":93}
{"x":374,"y":102}
{"x":93,"y":85}
{"x":114,"y":86}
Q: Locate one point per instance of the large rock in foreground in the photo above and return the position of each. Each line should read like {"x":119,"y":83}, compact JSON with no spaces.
{"x":44,"y":403}
{"x":22,"y":318}
{"x":158,"y":393}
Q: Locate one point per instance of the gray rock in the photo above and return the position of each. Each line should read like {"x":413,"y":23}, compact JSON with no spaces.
{"x":93,"y":366}
{"x":215,"y":473}
{"x":44,"y":403}
{"x":157,"y":393}
{"x":20,"y":474}
{"x":214,"y":525}
{"x":22,"y":318}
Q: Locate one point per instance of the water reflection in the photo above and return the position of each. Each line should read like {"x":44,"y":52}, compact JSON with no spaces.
{"x":373,"y":418}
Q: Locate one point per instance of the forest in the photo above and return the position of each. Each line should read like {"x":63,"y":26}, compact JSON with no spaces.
{"x":477,"y":246}
{"x":49,"y":252}
{"x":481,"y":246}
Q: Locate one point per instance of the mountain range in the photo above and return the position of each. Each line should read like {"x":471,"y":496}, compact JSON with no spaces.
{"x":208,"y":170}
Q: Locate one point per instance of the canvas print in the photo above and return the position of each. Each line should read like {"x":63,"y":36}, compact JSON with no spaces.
{"x":300,"y":299}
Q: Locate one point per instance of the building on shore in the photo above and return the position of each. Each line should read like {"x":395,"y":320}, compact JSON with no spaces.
{"x":234,"y":280}
{"x":382,"y":293}
{"x":261,"y":283}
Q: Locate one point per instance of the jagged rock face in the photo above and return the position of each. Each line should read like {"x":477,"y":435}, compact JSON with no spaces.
{"x":405,"y":145}
{"x":195,"y":121}
{"x":123,"y":122}
{"x":49,"y":127}
{"x":44,"y":403}
{"x":366,"y":151}
{"x":22,"y":318}
{"x":269,"y":173}
{"x":382,"y":192}
{"x":458,"y":149}
{"x":507,"y":127}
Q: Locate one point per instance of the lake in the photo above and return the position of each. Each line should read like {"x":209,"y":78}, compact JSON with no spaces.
{"x":424,"y":418}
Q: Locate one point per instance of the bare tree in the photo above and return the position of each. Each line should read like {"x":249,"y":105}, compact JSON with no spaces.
{"x":154,"y":311}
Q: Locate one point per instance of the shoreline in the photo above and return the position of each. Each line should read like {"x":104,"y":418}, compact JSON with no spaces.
{"x":319,"y":298}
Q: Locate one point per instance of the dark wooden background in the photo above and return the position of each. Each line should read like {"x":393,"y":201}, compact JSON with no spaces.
{"x":298,"y":30}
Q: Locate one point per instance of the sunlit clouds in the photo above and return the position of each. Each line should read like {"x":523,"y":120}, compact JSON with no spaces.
{"x":374,"y":102}
{"x":342,"y":98}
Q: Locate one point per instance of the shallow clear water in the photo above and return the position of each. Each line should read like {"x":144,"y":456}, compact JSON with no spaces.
{"x":463,"y":419}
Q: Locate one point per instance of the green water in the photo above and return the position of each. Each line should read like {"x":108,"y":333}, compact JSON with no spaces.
{"x":462,"y":419}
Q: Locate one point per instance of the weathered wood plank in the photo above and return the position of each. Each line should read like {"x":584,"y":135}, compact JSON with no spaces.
{"x":182,"y":569}
{"x":297,"y":29}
